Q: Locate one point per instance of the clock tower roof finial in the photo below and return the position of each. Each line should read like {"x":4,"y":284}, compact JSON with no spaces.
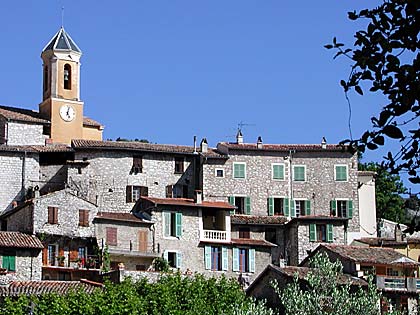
{"x":62,"y":41}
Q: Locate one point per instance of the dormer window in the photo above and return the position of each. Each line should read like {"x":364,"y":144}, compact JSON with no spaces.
{"x":67,"y":76}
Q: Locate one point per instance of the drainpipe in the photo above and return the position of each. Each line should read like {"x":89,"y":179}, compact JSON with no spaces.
{"x":23,"y":172}
{"x":290,"y":177}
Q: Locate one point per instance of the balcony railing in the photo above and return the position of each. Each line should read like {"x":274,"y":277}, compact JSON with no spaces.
{"x":398,"y":283}
{"x":215,"y":235}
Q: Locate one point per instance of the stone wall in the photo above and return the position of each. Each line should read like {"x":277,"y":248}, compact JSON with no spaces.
{"x":21,"y":221}
{"x":25,"y":134}
{"x":28,"y":266}
{"x":108,"y":174}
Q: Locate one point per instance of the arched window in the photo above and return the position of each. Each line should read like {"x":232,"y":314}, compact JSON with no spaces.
{"x":67,"y":76}
{"x":45,"y":78}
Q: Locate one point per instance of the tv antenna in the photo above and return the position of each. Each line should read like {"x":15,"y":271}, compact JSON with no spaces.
{"x":242,"y":124}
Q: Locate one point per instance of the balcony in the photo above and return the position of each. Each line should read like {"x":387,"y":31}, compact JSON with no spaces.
{"x":398,"y":283}
{"x":215,"y":236}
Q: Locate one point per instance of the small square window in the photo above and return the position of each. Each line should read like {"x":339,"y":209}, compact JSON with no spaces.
{"x":278,"y":171}
{"x":179,"y":165}
{"x":220,"y":172}
{"x":341,"y":173}
{"x":299,"y":173}
{"x":239,"y":170}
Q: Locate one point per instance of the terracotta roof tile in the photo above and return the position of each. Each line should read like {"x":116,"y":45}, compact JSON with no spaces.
{"x":140,"y":146}
{"x":19,"y":240}
{"x":90,"y":122}
{"x":380,"y":241}
{"x":36,"y":148}
{"x":252,"y":242}
{"x":366,"y":255}
{"x":256,"y":219}
{"x":366,"y":173}
{"x":118,"y":216}
{"x":16,"y":288}
{"x":318,"y":218}
{"x":281,"y":147}
{"x":189,"y":203}
{"x":20,"y":114}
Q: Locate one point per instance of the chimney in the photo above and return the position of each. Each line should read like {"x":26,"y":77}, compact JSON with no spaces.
{"x":36,"y":192}
{"x":324,"y":143}
{"x":198,"y":197}
{"x":195,"y":144}
{"x":239,"y":137}
{"x":259,"y":143}
{"x":204,"y":145}
{"x":398,"y":233}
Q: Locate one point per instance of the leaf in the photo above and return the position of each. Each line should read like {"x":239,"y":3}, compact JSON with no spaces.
{"x":358,"y":89}
{"x":414,"y":180}
{"x":393,"y":132}
{"x":380,"y":140}
{"x":329,"y":46}
{"x":371,"y":146}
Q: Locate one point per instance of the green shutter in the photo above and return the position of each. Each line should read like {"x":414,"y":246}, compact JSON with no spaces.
{"x":178,"y":217}
{"x":278,"y":172}
{"x":270,"y":204}
{"x":251,"y":261}
{"x":178,"y":260}
{"x":307,"y":207}
{"x":330,"y":233}
{"x":5,"y":263}
{"x":299,"y":173}
{"x":341,"y":173}
{"x":207,"y":257}
{"x":224,"y":258}
{"x":167,"y":223}
{"x":350,"y":208}
{"x":239,"y":170}
{"x":12,"y":263}
{"x":312,"y":232}
{"x":231,"y":200}
{"x":235,"y":259}
{"x":286,"y":206}
{"x":333,"y":207}
{"x":165,"y":255}
{"x":281,"y":171}
{"x":292,"y":208}
{"x":247,"y":205}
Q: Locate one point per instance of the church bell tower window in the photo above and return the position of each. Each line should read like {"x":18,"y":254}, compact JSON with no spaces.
{"x":45,"y":78}
{"x":67,"y":76}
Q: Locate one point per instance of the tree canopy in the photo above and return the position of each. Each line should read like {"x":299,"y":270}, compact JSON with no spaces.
{"x":385,"y":59}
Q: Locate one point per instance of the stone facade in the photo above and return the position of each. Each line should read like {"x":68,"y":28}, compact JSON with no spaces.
{"x":28,"y":266}
{"x":19,"y":133}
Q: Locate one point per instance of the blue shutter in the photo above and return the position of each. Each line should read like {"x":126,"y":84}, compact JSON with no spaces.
{"x":235,"y":259}
{"x":178,"y":260}
{"x":207,"y":257}
{"x":330,"y":236}
{"x":167,"y":223}
{"x":247,"y":205}
{"x":178,"y":217}
{"x":350,"y":208}
{"x":251,"y":261}
{"x":224,"y":258}
{"x":286,"y":206}
{"x":292,"y":208}
{"x":270,"y":204}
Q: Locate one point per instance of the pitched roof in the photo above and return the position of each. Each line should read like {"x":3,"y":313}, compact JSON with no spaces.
{"x":140,"y":146}
{"x":366,"y":255}
{"x":16,"y":288}
{"x":62,"y":41}
{"x":189,"y":203}
{"x":21,"y":114}
{"x":256,"y":219}
{"x":383,"y":241}
{"x":35,"y":148}
{"x":252,"y":242}
{"x":91,"y":123}
{"x":119,"y":216}
{"x":222,"y":146}
{"x":19,"y":240}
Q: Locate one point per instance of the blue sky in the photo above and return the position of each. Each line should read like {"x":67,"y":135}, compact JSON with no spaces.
{"x":168,"y":70}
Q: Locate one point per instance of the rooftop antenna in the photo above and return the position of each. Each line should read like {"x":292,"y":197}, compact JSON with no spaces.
{"x":62,"y":17}
{"x":241,"y":125}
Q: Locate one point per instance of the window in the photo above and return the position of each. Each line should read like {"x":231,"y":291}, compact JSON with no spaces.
{"x":271,"y":235}
{"x":341,"y":208}
{"x":173,"y":258}
{"x":243,"y":259}
{"x":243,"y":204}
{"x":321,"y":233}
{"x":9,"y":260}
{"x":137,"y":165}
{"x":278,"y":206}
{"x":83,"y":217}
{"x":220,"y":172}
{"x":302,"y":207}
{"x":216,"y":258}
{"x":179,"y":165}
{"x":392,"y":272}
{"x":239,"y":170}
{"x":278,"y":171}
{"x":45,"y":78}
{"x":172,"y":224}
{"x":52,"y":254}
{"x":177,"y":191}
{"x":81,"y":255}
{"x":244,"y":233}
{"x":341,"y":173}
{"x":133,"y":193}
{"x":67,"y":77}
{"x":111,"y":236}
{"x":143,"y":241}
{"x":299,"y":173}
{"x":52,"y":215}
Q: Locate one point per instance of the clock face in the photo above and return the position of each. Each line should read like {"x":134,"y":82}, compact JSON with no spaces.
{"x":67,"y":112}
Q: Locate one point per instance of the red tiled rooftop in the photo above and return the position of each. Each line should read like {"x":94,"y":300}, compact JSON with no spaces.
{"x":256,"y":219}
{"x":281,"y":147}
{"x":189,"y":203}
{"x":90,"y":122}
{"x":20,"y":114}
{"x":380,"y":241}
{"x":118,"y":216}
{"x":36,"y":148}
{"x":19,"y":240}
{"x":252,"y":242}
{"x":16,"y":288}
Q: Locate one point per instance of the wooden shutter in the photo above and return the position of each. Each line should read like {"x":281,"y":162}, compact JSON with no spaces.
{"x":307,"y":207}
{"x":45,"y":256}
{"x":350,"y":209}
{"x":129,"y":194}
{"x":5,"y":262}
{"x":247,"y":205}
{"x":52,"y":215}
{"x":312,"y":232}
{"x":251,"y":262}
{"x":207,"y":257}
{"x":178,"y":222}
{"x":144,"y":191}
{"x":84,"y":217}
{"x":286,"y":207}
{"x":143,"y":241}
{"x":224,"y":258}
{"x":167,"y":223}
{"x":333,"y":207}
{"x":169,"y":191}
{"x":292,"y":208}
{"x":74,"y":255}
{"x":111,"y":236}
{"x":231,"y":200}
{"x":235,"y":259}
{"x":330,"y":236}
{"x":178,"y":260}
{"x":270,"y":205}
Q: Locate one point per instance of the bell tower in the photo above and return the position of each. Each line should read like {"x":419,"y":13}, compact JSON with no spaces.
{"x":61,"y":103}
